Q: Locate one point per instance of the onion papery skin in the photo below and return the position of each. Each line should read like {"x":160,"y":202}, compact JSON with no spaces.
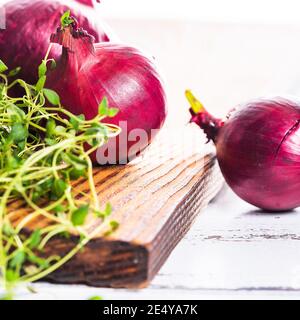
{"x":87,"y":72}
{"x":258,"y":150}
{"x":29,"y":25}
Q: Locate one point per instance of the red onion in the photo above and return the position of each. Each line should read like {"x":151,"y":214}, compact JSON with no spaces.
{"x":29,"y":24}
{"x":258,"y":149}
{"x":87,"y":72}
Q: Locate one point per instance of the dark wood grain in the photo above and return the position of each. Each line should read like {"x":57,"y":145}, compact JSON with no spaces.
{"x":155,"y":199}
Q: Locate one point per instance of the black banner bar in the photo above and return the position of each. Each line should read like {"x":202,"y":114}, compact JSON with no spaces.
{"x":146,"y":309}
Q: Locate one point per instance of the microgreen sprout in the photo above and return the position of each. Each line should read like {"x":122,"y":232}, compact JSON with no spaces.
{"x":66,"y":19}
{"x":96,"y":298}
{"x":42,"y":151}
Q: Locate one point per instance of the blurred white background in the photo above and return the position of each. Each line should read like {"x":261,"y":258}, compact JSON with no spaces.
{"x":226,"y":51}
{"x":283,"y":11}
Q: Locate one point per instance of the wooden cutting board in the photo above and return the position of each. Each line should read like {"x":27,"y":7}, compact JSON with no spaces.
{"x":155,"y":199}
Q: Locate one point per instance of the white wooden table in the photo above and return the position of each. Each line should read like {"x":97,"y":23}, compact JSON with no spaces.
{"x":233,"y":252}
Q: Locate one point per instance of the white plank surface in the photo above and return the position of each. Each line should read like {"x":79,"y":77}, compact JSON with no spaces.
{"x":232,"y":251}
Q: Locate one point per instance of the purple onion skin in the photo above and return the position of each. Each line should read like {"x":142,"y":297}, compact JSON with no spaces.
{"x":29,"y":25}
{"x":258,"y":150}
{"x":88,"y":72}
